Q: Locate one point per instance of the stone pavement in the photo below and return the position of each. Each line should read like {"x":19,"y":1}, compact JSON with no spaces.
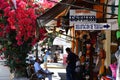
{"x":4,"y":73}
{"x":59,"y":74}
{"x":57,"y":68}
{"x":58,"y":65}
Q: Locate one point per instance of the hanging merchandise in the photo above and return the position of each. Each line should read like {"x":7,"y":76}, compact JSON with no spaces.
{"x":99,"y":43}
{"x":113,"y":68}
{"x":117,"y":55}
{"x":113,"y":8}
{"x":118,"y":34}
{"x":119,"y":14}
{"x":102,"y":56}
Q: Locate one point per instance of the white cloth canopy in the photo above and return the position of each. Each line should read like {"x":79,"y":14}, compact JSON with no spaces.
{"x":61,"y":41}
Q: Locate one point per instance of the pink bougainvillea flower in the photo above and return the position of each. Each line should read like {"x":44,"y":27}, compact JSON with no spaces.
{"x":13,"y":27}
{"x":18,"y":37}
{"x":1,"y":1}
{"x":36,"y":5}
{"x":42,"y":32}
{"x":19,"y":43}
{"x":4,"y":4}
{"x":7,"y":29}
{"x":11,"y":21}
{"x":20,"y":13}
{"x":26,"y":38}
{"x":22,"y":4}
{"x":1,"y":25}
{"x":34,"y":41}
{"x":23,"y":18}
{"x":1,"y":34}
{"x":6,"y":11}
{"x":30,"y":3}
{"x":11,"y":13}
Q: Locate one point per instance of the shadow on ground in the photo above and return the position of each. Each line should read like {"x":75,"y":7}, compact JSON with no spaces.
{"x":62,"y":75}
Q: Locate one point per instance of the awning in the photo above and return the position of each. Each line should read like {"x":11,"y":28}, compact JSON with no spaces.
{"x":61,"y":41}
{"x":54,"y":12}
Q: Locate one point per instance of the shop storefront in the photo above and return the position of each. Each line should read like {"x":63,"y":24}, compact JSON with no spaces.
{"x":90,"y":36}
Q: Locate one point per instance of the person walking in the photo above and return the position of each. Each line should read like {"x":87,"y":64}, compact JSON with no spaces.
{"x":71,"y":64}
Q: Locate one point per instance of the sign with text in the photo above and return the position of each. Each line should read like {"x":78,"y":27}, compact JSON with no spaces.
{"x":93,"y":26}
{"x":81,"y":16}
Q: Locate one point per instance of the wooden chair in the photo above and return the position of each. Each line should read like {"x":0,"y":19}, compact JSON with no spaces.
{"x":34,"y":77}
{"x":32,"y":74}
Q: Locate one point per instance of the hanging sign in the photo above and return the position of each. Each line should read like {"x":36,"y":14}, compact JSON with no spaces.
{"x":93,"y":26}
{"x":81,"y":16}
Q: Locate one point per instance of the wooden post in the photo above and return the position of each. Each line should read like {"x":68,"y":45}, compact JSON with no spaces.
{"x":77,"y":36}
{"x":107,"y":45}
{"x":73,"y":41}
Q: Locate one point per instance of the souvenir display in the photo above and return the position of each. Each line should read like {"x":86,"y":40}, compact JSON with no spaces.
{"x":117,"y":54}
{"x":118,"y":37}
{"x":92,"y":61}
{"x":113,"y":68}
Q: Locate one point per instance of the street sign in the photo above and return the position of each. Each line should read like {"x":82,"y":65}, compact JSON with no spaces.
{"x":92,"y":26}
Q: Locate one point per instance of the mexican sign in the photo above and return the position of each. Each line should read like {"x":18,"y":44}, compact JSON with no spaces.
{"x":81,"y":16}
{"x":92,"y":26}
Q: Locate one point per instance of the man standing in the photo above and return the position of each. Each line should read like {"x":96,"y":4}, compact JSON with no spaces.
{"x":71,"y":64}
